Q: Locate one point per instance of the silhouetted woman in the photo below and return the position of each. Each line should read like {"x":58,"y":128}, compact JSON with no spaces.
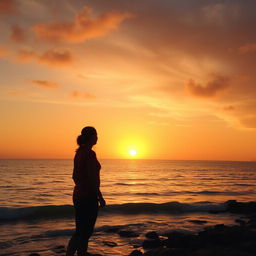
{"x":86,"y":196}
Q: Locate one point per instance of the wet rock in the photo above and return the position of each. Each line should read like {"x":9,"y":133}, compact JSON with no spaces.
{"x":136,"y":243}
{"x":177,"y":240}
{"x":112,"y":230}
{"x":4,"y":245}
{"x":152,"y":235}
{"x":244,"y":208}
{"x":109,"y":243}
{"x":159,"y":252}
{"x":240,"y":222}
{"x":127,"y":233}
{"x":151,"y":243}
{"x":136,"y":253}
{"x":251,"y":222}
{"x":219,"y":226}
{"x":219,"y":240}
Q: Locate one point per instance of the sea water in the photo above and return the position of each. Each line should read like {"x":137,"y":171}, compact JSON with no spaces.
{"x":36,"y":213}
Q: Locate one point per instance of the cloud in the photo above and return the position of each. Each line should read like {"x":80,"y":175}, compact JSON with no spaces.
{"x":83,"y":27}
{"x":77,"y":95}
{"x":249,"y":121}
{"x":247,"y":48}
{"x":56,"y":57}
{"x":17,"y":34}
{"x":229,"y":108}
{"x":52,"y":57}
{"x":3,"y":51}
{"x":45,"y":84}
{"x":218,"y":83}
{"x":8,"y":7}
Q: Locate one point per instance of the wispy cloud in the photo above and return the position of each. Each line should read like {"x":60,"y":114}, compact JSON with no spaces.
{"x":18,"y":34}
{"x":3,"y":51}
{"x":52,"y":57}
{"x":83,"y":27}
{"x":81,"y":95}
{"x":247,"y":48}
{"x":218,"y":83}
{"x":45,"y":84}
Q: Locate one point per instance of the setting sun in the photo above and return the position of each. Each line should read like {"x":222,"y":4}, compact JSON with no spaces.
{"x":132,"y":152}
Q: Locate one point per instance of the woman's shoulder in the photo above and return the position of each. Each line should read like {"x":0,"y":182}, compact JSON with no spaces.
{"x":85,"y":153}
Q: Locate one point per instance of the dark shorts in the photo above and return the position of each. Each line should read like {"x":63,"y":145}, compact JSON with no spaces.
{"x":86,"y":212}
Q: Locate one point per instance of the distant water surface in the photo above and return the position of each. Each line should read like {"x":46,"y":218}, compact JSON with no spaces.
{"x":48,"y":182}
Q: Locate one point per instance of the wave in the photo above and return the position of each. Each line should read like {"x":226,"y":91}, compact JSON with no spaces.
{"x":131,"y":184}
{"x":66,"y":211}
{"x":173,"y":193}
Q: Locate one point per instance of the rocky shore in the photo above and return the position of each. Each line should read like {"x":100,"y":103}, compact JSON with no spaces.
{"x":218,"y":240}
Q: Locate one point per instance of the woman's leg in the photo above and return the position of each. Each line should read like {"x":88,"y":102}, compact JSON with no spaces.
{"x":85,"y":221}
{"x":72,"y":246}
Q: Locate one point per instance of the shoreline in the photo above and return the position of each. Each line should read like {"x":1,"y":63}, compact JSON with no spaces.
{"x":211,"y":240}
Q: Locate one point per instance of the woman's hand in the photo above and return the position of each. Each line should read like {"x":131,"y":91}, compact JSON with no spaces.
{"x":102,"y":202}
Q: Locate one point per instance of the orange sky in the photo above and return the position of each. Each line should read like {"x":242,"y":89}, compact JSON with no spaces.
{"x":171,"y":79}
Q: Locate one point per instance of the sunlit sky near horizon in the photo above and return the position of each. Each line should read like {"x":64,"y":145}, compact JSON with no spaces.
{"x":167,"y":79}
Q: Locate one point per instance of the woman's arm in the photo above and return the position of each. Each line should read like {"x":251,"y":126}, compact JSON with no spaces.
{"x":101,"y":199}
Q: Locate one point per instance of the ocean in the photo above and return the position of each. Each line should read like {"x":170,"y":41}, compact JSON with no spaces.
{"x":36,"y":213}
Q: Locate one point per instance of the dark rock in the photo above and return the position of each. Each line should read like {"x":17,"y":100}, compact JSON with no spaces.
{"x":151,"y":243}
{"x":136,"y":253}
{"x":219,"y":240}
{"x":252,"y":222}
{"x":219,"y":226}
{"x":159,"y":252}
{"x":199,"y":222}
{"x":136,"y":243}
{"x":244,"y":208}
{"x":152,"y":235}
{"x":109,"y":243}
{"x":240,"y":222}
{"x":34,"y":254}
{"x":177,"y":240}
{"x":127,"y":233}
{"x":112,"y":230}
{"x":226,"y":237}
{"x":4,"y":245}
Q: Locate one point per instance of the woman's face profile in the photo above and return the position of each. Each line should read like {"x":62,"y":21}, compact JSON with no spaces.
{"x":94,"y":139}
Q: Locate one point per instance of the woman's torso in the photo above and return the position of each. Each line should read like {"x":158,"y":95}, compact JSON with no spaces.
{"x":86,"y":173}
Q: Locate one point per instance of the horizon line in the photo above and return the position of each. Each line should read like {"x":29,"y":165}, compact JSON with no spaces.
{"x":155,"y":159}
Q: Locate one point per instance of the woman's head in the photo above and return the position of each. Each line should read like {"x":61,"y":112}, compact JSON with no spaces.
{"x":88,"y":137}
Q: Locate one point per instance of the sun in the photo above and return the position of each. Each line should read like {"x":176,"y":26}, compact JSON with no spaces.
{"x":132,"y":152}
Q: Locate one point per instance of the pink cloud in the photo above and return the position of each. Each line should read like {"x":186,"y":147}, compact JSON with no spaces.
{"x":218,"y":83}
{"x":83,"y":27}
{"x":45,"y":84}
